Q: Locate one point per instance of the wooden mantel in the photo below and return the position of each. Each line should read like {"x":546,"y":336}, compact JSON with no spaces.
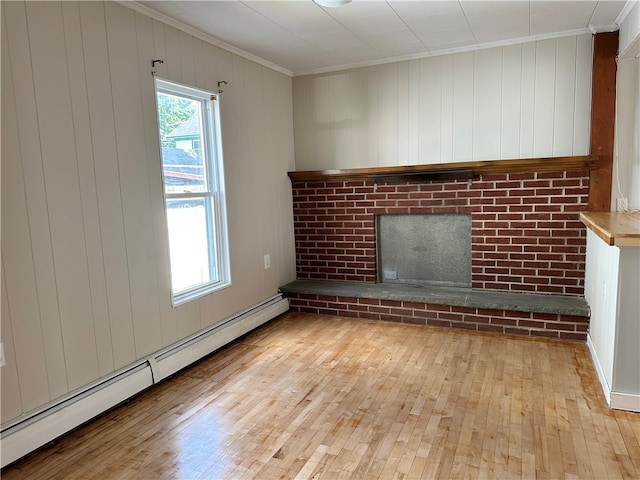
{"x":439,"y":171}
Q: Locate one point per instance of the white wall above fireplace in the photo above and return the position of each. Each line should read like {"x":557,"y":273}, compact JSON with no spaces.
{"x":519,"y":101}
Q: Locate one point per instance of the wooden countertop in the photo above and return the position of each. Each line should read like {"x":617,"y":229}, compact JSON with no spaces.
{"x":620,"y":229}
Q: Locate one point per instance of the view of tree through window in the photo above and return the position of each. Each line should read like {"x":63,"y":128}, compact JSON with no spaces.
{"x":191,"y":165}
{"x":172,"y":111}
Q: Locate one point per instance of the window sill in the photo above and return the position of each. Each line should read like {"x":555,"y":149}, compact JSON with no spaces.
{"x":190,"y":295}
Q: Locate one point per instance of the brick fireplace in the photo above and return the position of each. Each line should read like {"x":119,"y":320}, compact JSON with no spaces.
{"x":525,"y":229}
{"x":526,"y":235}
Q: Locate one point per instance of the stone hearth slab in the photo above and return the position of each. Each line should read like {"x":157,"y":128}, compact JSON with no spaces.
{"x":462,"y":297}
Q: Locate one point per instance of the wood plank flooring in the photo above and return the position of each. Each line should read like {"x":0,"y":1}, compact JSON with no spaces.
{"x":315,"y":397}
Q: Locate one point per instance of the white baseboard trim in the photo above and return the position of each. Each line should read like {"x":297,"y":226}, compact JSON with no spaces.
{"x":44,"y":425}
{"x":599,"y":371}
{"x":625,"y":401}
{"x":617,"y":400}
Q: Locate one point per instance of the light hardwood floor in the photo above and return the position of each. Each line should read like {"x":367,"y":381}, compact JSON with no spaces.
{"x":325,"y":398}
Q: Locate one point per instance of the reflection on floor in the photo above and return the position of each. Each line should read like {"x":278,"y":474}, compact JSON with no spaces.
{"x":312,"y":396}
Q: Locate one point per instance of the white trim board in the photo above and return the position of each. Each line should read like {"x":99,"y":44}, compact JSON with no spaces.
{"x":625,"y":401}
{"x":617,"y":400}
{"x":599,"y":371}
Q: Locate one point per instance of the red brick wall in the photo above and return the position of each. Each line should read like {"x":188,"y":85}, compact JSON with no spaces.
{"x":479,"y":319}
{"x":526,"y":233}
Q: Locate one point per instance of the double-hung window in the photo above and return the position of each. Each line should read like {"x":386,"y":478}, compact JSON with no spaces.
{"x":189,"y":124}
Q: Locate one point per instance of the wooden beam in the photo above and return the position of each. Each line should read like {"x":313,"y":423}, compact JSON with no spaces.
{"x":413,"y":172}
{"x":603,"y":109}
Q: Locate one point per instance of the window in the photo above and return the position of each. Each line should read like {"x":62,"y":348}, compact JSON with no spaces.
{"x":192,"y":171}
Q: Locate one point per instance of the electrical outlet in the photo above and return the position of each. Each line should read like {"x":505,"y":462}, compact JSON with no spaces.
{"x":2,"y":362}
{"x":622,"y":204}
{"x":267,"y":261}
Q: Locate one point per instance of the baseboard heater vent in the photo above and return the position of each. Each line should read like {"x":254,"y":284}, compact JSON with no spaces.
{"x":44,"y":425}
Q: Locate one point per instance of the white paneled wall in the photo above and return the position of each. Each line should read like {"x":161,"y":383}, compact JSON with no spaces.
{"x":517,"y":101}
{"x":85,"y":271}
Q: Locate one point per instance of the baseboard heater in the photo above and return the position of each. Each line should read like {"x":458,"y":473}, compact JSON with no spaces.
{"x":44,"y":425}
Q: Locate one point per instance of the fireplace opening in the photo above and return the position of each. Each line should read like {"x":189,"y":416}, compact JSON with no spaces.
{"x":424,"y":249}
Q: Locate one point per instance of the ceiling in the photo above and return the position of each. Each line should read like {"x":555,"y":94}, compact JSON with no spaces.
{"x":301,"y":37}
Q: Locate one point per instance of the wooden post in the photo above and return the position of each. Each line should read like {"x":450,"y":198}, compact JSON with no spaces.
{"x":603,"y":110}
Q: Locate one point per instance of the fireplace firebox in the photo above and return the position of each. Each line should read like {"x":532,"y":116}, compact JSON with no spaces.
{"x":424,"y":249}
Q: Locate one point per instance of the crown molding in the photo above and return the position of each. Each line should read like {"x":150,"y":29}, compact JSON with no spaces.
{"x":149,"y":12}
{"x":449,"y":51}
{"x":625,"y":11}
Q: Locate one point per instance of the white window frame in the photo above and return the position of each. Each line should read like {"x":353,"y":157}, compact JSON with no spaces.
{"x":217,"y":237}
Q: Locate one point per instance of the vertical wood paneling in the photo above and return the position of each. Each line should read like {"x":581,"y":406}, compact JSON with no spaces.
{"x":413,"y":126}
{"x":87,"y":178}
{"x":200,"y":63}
{"x":282,"y":108}
{"x":463,"y":95}
{"x":187,"y":58}
{"x":251,"y":264}
{"x":326,"y":144}
{"x":173,"y":61}
{"x":446,"y":132}
{"x":340,"y":123}
{"x":151,"y":45}
{"x":59,"y":161}
{"x":131,"y":154}
{"x":388,"y":114}
{"x":487,"y":109}
{"x":310,"y":108}
{"x":209,"y":63}
{"x":430,"y":102}
{"x":31,"y":159}
{"x":270,"y":174}
{"x":517,"y":101}
{"x":545,"y":92}
{"x":564,"y":104}
{"x":258,"y":177}
{"x":103,"y":138}
{"x":224,"y":64}
{"x":358,"y":96}
{"x":270,"y":178}
{"x":301,"y":120}
{"x":510,"y":101}
{"x":403,"y":114}
{"x":527,"y":99}
{"x":373,"y":119}
{"x":582,"y":116}
{"x":20,"y":296}
{"x":11,"y":406}
{"x":159,"y":48}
